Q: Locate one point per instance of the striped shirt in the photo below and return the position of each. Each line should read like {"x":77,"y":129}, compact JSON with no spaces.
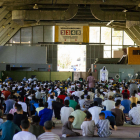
{"x":103,"y":128}
{"x":48,"y":136}
{"x":87,"y":104}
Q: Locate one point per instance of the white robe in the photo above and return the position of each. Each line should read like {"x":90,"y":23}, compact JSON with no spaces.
{"x":103,"y":75}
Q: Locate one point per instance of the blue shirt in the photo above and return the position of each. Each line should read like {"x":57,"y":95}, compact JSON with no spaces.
{"x":67,"y":98}
{"x":45,"y":115}
{"x":107,"y":113}
{"x":8,"y":130}
{"x":24,"y":79}
{"x":126,"y":103}
{"x":36,"y":105}
{"x":31,"y":105}
{"x":9,"y":105}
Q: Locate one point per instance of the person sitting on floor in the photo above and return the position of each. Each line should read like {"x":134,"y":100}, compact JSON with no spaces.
{"x":48,"y":135}
{"x":38,"y":109}
{"x":79,"y":117}
{"x":95,"y":111}
{"x":134,"y":114}
{"x":109,"y":104}
{"x":126,"y":103}
{"x":103,"y":126}
{"x":88,"y":126}
{"x":19,"y":116}
{"x":119,"y":114}
{"x":57,"y":105}
{"x":133,"y":99}
{"x":81,"y":103}
{"x":50,"y":101}
{"x":121,"y":106}
{"x":8,"y":128}
{"x":111,"y":117}
{"x":13,"y":110}
{"x":65,"y":112}
{"x":87,"y":103}
{"x":67,"y":128}
{"x":73,"y":103}
{"x":35,"y":128}
{"x":45,"y":114}
{"x":24,"y":134}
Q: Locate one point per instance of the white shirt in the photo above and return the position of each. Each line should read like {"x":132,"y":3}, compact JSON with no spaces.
{"x":135,"y":114}
{"x":91,"y":95}
{"x":110,"y":94}
{"x":50,"y":98}
{"x":136,"y":95}
{"x":65,"y":113}
{"x":24,"y":106}
{"x":78,"y":93}
{"x":109,"y":104}
{"x":88,"y":128}
{"x":30,"y":80}
{"x":24,"y":135}
{"x":38,"y":95}
{"x":121,"y":107}
{"x":81,"y":103}
{"x":95,"y":111}
{"x":48,"y":136}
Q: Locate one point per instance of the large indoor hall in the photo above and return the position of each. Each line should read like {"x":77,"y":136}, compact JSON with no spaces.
{"x":69,"y":69}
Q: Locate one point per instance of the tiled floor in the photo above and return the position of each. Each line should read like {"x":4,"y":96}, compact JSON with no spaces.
{"x":123,"y":132}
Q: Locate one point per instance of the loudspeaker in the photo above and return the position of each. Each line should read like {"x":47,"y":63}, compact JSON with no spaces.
{"x":8,"y":68}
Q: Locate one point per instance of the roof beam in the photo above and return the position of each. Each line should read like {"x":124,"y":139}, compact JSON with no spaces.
{"x":44,"y":14}
{"x":113,"y":15}
{"x":107,"y":2}
{"x":2,"y":9}
{"x":3,"y":14}
{"x":7,"y":31}
{"x":132,"y":36}
{"x":3,"y":30}
{"x":3,"y":21}
{"x":12,"y":32}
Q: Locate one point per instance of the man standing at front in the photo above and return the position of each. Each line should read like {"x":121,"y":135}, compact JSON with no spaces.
{"x":91,"y":82}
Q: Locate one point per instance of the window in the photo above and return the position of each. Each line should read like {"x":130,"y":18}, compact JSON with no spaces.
{"x":26,"y":35}
{"x":107,"y":54}
{"x":15,"y":38}
{"x":127,"y":40}
{"x":115,"y":48}
{"x":94,"y":36}
{"x":69,"y":59}
{"x":107,"y":51}
{"x":136,"y":52}
{"x":37,"y":34}
{"x":49,"y":33}
{"x":117,"y":37}
{"x":106,"y":35}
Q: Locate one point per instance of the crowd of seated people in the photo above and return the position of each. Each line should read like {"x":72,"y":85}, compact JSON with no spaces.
{"x":33,"y":108}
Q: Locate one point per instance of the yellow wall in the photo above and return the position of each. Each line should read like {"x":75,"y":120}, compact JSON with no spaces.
{"x":86,"y":34}
{"x":43,"y":76}
{"x":56,"y":33}
{"x":133,"y":59}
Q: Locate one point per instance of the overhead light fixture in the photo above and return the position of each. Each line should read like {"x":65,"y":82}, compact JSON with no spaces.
{"x":124,"y":10}
{"x":35,"y":6}
{"x":109,"y":22}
